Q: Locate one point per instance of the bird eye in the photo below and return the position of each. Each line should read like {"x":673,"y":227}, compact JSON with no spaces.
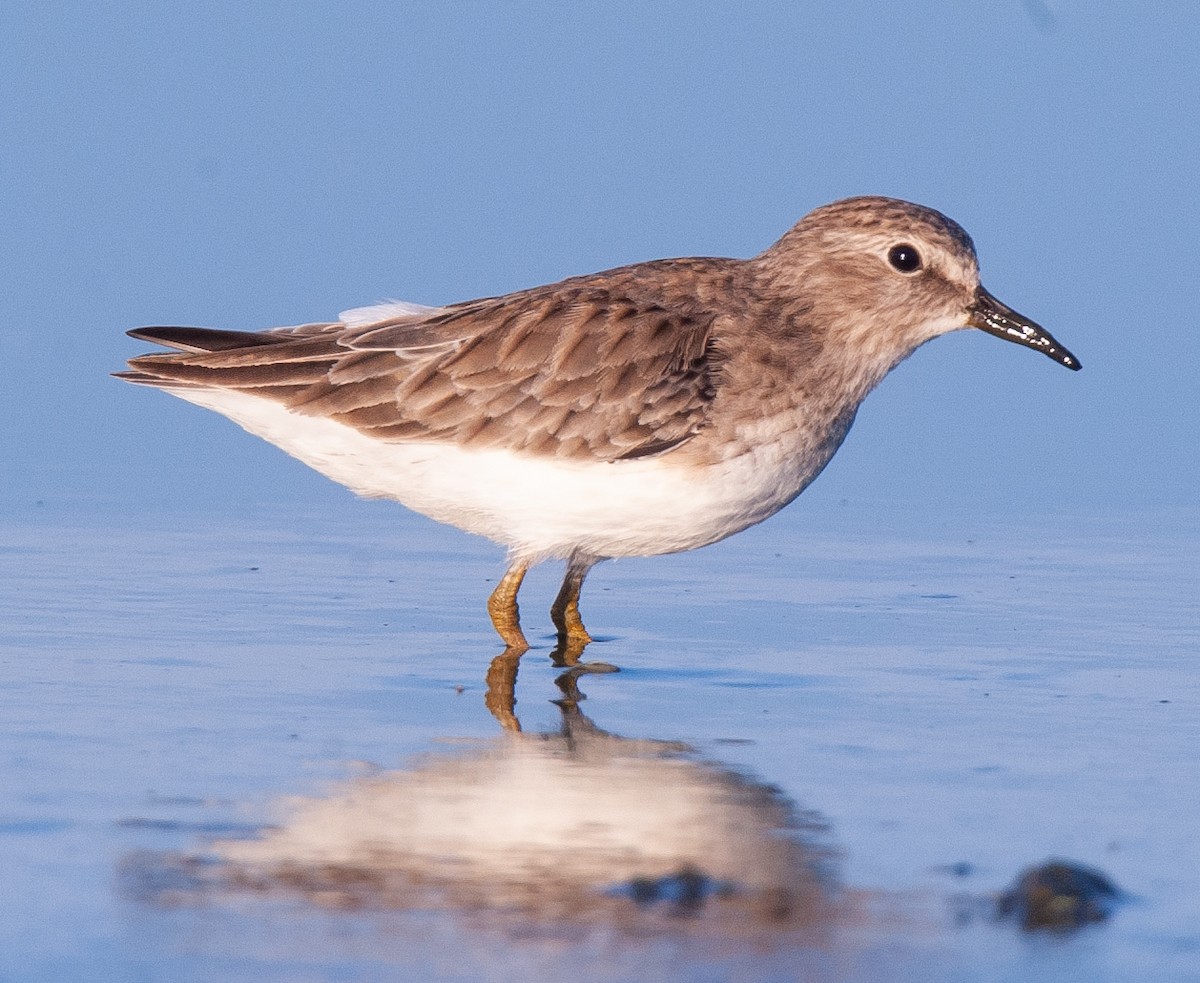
{"x":904,"y":258}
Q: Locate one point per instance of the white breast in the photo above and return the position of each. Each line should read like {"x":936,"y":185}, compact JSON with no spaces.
{"x":539,"y":508}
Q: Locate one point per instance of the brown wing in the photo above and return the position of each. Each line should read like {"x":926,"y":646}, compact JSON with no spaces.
{"x":614,"y":366}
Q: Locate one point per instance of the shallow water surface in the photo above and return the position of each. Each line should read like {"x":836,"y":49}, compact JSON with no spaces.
{"x":281,"y":747}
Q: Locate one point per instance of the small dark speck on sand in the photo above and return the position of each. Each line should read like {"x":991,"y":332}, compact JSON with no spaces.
{"x":961,"y":868}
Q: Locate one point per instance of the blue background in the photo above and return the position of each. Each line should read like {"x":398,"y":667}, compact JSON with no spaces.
{"x":249,"y":165}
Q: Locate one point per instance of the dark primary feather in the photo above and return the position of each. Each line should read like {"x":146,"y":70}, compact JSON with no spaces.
{"x":618,"y":365}
{"x":200,"y":339}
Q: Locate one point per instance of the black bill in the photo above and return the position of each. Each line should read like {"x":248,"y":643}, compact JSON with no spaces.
{"x":990,"y":315}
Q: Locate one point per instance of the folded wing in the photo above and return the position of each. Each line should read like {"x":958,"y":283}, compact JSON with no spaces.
{"x":591,"y":368}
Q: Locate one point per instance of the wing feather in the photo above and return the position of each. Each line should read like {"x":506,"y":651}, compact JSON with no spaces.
{"x":619,"y":365}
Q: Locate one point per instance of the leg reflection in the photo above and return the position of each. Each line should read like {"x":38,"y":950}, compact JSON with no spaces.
{"x":501,"y":695}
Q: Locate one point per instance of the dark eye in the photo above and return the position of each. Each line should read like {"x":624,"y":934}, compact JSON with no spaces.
{"x":904,"y":258}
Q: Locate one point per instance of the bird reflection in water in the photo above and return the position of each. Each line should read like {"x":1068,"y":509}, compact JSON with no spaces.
{"x":572,"y":826}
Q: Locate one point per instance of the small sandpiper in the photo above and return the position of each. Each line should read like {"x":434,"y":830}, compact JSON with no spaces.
{"x":648,"y":409}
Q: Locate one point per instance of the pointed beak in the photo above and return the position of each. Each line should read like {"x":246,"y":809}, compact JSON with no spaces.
{"x":988,"y":314}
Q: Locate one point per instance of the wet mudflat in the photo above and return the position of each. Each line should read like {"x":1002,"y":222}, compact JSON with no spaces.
{"x":263,"y":746}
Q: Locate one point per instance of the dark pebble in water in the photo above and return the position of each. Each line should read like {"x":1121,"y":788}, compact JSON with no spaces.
{"x":1059,"y":896}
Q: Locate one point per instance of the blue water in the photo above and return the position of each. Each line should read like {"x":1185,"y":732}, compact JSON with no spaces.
{"x":935,"y":702}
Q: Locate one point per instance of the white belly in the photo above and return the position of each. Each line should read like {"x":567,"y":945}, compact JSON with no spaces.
{"x":540,"y":508}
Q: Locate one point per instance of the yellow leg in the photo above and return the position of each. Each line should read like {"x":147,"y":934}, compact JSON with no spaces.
{"x":572,"y":636}
{"x":502,"y":606}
